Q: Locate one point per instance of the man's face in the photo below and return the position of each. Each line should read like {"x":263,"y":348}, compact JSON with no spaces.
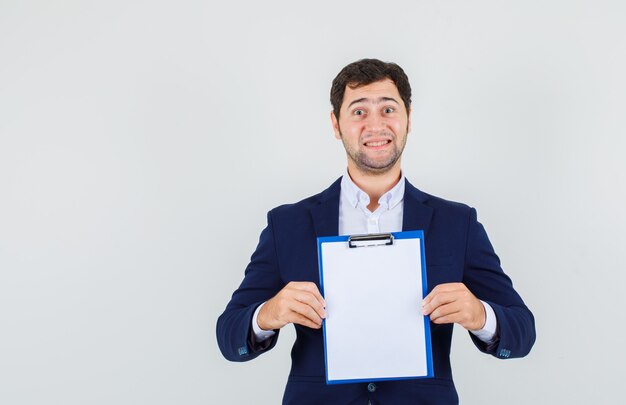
{"x":373,"y":126}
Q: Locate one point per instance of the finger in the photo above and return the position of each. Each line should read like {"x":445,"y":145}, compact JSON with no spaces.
{"x":445,"y":310}
{"x":458,"y":312}
{"x":307,"y":298}
{"x":450,"y":318}
{"x":444,"y":288}
{"x":311,"y":288}
{"x":439,"y":299}
{"x":307,"y":311}
{"x":298,"y":319}
{"x":447,"y":287}
{"x":433,"y":293}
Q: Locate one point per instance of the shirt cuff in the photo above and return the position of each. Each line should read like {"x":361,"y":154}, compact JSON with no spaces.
{"x":488,"y":333}
{"x":260,"y":334}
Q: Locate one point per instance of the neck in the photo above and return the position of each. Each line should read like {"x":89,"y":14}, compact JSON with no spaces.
{"x":374,"y":184}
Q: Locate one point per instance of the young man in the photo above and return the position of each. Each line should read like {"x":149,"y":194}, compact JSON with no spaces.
{"x":371,"y":115}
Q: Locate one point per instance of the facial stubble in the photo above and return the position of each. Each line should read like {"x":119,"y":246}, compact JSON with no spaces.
{"x":371,"y":166}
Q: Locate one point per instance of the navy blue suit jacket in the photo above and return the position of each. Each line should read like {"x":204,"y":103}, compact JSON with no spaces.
{"x":457,"y":250}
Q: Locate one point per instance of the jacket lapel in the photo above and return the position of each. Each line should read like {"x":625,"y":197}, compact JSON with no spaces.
{"x":416,"y":214}
{"x":326,"y":215}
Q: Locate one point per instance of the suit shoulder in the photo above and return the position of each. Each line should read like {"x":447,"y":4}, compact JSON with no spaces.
{"x":297,"y":208}
{"x":303,"y":206}
{"x":294,"y":208}
{"x":439,"y":202}
{"x":442,"y":204}
{"x":432,"y":200}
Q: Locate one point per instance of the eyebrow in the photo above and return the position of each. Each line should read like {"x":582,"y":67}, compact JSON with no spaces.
{"x":377,"y":101}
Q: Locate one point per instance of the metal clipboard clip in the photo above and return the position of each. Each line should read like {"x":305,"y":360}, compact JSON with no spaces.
{"x":375,"y":239}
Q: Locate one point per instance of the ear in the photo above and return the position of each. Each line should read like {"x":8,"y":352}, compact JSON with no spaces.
{"x":335,"y":124}
{"x":408,"y":123}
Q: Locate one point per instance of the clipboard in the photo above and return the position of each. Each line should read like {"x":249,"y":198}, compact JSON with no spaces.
{"x":373,"y":286}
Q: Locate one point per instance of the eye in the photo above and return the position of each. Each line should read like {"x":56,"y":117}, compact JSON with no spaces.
{"x":358,"y":111}
{"x":389,"y":110}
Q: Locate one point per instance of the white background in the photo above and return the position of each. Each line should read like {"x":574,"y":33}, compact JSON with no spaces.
{"x":142,"y":143}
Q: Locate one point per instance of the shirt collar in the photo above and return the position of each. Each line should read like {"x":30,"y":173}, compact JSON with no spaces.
{"x":354,"y":195}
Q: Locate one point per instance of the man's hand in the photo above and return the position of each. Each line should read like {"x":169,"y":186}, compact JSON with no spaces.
{"x":298,"y":302}
{"x":454,"y":303}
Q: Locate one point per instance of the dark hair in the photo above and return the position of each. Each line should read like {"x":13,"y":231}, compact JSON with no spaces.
{"x":364,"y":72}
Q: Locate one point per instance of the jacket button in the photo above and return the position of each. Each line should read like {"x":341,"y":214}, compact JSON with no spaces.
{"x":371,"y":387}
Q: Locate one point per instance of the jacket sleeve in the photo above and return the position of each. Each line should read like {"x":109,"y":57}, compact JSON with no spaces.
{"x":261,"y":282}
{"x":483,"y":275}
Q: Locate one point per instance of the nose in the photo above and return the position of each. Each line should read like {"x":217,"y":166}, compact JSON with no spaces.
{"x":375,"y":122}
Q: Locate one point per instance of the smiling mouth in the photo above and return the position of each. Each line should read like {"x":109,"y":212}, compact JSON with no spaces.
{"x":377,"y":143}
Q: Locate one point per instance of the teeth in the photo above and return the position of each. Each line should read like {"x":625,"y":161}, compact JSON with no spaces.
{"x":379,"y":143}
